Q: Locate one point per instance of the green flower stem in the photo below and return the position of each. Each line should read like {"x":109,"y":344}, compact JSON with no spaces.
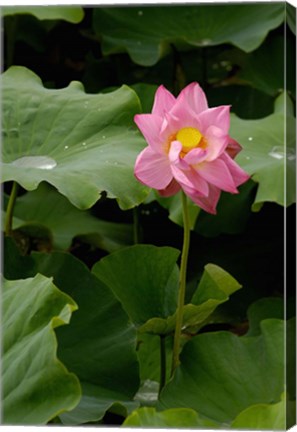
{"x":162,"y":362}
{"x":182,"y":286}
{"x":10,"y":208}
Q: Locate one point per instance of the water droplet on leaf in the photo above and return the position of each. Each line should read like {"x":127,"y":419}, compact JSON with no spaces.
{"x":279,"y":152}
{"x":40,"y":162}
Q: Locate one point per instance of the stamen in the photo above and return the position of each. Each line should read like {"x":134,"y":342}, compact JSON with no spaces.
{"x":190,"y":138}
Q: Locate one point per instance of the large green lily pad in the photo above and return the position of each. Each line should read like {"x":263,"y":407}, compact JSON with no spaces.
{"x":145,"y":280}
{"x":100,"y":344}
{"x":81,"y":144}
{"x":71,"y":14}
{"x":36,"y":386}
{"x":147,"y":32}
{"x":222,"y":374}
{"x":46,"y":208}
{"x":268,"y":153}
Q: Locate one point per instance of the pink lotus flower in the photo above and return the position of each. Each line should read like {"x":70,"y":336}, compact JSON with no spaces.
{"x":188,"y":148}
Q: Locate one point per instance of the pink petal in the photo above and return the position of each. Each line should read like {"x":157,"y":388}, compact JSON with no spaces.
{"x":171,"y":189}
{"x":208,"y":203}
{"x":174,"y":155}
{"x":233,"y":148}
{"x":191,"y":180}
{"x":218,"y":116}
{"x":150,"y":126}
{"x":164,"y":101}
{"x":198,"y":183}
{"x":183,"y":113}
{"x":217,"y":142}
{"x":182,"y":179}
{"x":170,"y":126}
{"x":195,"y":97}
{"x":238,"y":174}
{"x":195,"y":156}
{"x":218,"y":174}
{"x":153,"y":169}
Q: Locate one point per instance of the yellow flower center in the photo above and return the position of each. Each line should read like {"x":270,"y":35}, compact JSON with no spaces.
{"x":190,"y":138}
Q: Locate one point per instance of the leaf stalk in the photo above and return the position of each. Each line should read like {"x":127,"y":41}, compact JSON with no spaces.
{"x":10,"y":208}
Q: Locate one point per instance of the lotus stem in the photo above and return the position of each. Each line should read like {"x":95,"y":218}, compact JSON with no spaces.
{"x":182,"y":286}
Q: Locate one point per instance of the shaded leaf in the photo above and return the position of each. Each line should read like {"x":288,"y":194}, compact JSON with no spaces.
{"x":264,"y":68}
{"x":99,"y":345}
{"x":147,"y":32}
{"x":28,"y":29}
{"x":36,"y":385}
{"x":174,"y":206}
{"x":46,"y":207}
{"x":264,"y":308}
{"x":15,"y":265}
{"x":146,"y":94}
{"x":257,"y":103}
{"x":81,"y":144}
{"x":233,"y":212}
